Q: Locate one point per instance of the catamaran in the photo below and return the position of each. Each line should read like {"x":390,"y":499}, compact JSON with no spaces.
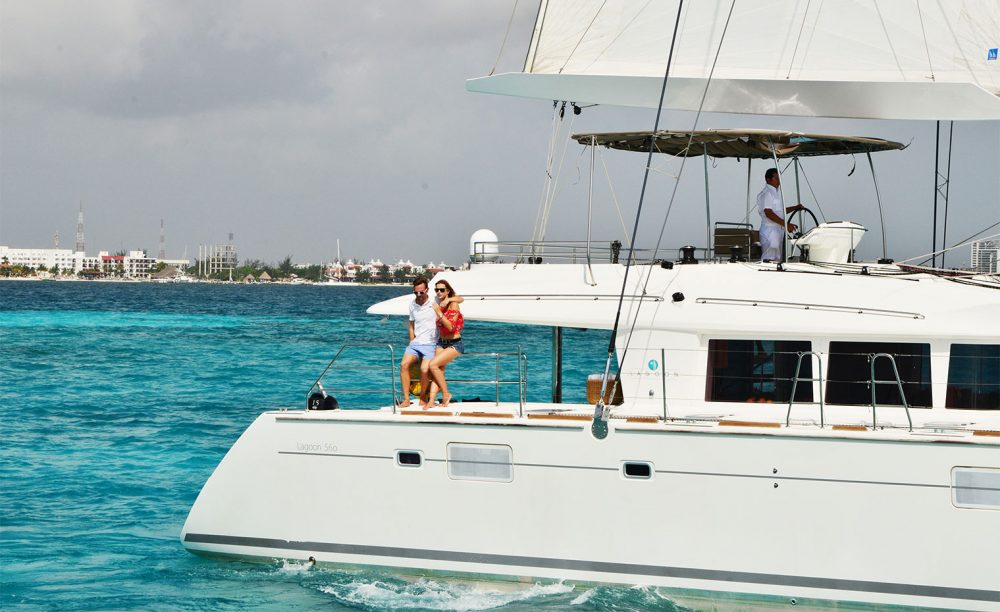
{"x":816,"y":431}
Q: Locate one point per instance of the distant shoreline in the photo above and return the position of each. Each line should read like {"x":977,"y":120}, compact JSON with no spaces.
{"x":191,"y":282}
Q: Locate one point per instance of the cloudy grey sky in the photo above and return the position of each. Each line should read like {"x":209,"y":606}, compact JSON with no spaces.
{"x":293,"y":124}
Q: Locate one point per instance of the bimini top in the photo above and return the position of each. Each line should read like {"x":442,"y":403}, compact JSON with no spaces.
{"x":763,"y":144}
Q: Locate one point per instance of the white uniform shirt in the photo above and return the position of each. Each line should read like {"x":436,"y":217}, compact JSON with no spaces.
{"x":770,"y":197}
{"x":772,"y":235}
{"x":424,"y":322}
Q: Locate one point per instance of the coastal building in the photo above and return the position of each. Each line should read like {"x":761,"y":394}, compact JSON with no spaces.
{"x":134,"y":264}
{"x":217,"y":259}
{"x":351,"y":269}
{"x":433,"y":268}
{"x":986,"y":256}
{"x":336,"y":271}
{"x":63,"y":260}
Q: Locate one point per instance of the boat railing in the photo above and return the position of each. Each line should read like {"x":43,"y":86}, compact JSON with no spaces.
{"x":795,"y":385}
{"x":337,"y":364}
{"x":872,"y":358}
{"x":384,"y":366}
{"x":577,"y":251}
{"x":521,"y":382}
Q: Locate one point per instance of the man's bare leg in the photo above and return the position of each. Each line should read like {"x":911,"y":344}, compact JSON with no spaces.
{"x":404,"y":377}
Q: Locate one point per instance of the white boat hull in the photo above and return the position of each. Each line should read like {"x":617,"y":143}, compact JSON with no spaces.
{"x":779,"y":515}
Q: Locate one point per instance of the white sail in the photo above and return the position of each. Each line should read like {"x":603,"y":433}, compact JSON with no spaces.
{"x":890,"y":59}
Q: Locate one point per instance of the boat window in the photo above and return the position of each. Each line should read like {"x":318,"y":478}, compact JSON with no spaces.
{"x":759,"y":371}
{"x":493,"y":462}
{"x":974,"y":377}
{"x":973,"y":487}
{"x":637,"y":470}
{"x":849,"y":374}
{"x":409,"y":458}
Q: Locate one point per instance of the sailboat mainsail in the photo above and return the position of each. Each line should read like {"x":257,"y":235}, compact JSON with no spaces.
{"x":881,"y":59}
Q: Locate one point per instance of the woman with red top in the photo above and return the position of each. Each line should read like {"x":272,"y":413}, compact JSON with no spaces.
{"x":449,"y":346}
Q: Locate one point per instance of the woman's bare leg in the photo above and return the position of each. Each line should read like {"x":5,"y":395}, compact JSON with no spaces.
{"x":441,"y":359}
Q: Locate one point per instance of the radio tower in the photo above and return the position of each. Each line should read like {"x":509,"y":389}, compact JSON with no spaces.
{"x":80,"y":248}
{"x":163,"y":248}
{"x":55,"y":239}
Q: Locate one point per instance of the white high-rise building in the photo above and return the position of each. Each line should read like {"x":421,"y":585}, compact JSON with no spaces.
{"x":985,"y":256}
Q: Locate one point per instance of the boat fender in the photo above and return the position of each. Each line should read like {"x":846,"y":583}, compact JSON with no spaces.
{"x":319,"y":401}
{"x":677,"y":297}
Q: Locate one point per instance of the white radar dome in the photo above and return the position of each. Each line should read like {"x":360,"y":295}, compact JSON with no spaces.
{"x":483,"y":246}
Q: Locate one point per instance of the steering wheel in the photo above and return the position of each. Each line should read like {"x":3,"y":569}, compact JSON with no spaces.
{"x":799,"y":233}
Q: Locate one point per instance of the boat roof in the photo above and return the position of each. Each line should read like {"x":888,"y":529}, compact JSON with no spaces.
{"x":762,"y":144}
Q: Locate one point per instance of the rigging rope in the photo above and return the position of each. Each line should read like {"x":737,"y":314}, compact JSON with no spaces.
{"x":617,"y":36}
{"x":798,"y":39}
{"x":947,"y":188}
{"x":505,"y":35}
{"x":927,"y":46}
{"x":812,"y":34}
{"x":552,"y":181}
{"x":599,"y":427}
{"x":811,"y":192}
{"x":967,"y":241}
{"x":888,"y":40}
{"x":582,"y":36}
{"x":614,"y":198}
{"x":638,"y":306}
{"x":556,"y":118}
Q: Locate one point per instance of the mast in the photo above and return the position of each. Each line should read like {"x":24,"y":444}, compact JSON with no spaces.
{"x":163,"y":249}
{"x":80,"y":246}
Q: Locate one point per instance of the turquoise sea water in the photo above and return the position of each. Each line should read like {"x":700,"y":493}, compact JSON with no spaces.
{"x":117,"y":401}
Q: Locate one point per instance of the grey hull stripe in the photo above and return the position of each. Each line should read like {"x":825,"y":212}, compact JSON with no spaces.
{"x":605,"y":567}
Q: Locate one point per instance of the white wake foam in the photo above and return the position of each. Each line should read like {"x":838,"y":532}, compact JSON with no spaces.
{"x":436,"y":595}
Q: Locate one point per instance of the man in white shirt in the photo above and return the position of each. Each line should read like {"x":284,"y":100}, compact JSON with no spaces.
{"x":772,"y":217}
{"x":423,"y":340}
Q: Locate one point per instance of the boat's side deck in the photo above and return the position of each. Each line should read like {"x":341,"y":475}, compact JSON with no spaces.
{"x":984,"y":430}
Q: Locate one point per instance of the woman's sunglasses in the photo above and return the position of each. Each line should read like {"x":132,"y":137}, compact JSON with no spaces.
{"x":440,"y":290}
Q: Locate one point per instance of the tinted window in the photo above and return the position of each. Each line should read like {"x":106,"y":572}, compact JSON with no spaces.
{"x":637,"y":469}
{"x":849,"y":376}
{"x":408,"y":458}
{"x":974,"y":377}
{"x":757,"y":371}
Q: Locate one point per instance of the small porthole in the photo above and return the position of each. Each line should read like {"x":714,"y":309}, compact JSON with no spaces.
{"x":638,"y":470}
{"x":409,"y":458}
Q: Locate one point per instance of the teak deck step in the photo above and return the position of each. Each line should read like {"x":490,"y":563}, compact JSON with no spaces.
{"x":727,"y":423}
{"x":486,"y":415}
